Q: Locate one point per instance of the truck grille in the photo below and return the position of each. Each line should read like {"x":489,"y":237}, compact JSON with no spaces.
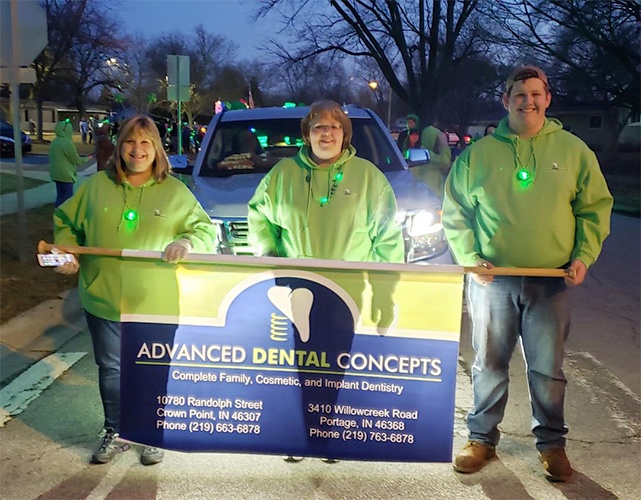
{"x":235,"y":237}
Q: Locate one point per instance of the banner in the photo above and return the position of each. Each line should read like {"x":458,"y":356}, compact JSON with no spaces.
{"x":311,"y":358}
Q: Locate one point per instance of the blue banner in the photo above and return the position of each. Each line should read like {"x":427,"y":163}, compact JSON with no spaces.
{"x":346,"y":364}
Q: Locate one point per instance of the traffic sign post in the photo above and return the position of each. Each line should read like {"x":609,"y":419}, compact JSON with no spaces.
{"x":23,"y":40}
{"x":178,"y":87}
{"x":23,"y":36}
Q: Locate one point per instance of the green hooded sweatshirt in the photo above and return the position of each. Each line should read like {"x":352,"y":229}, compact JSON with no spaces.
{"x":63,"y":157}
{"x":560,"y":214}
{"x":356,"y":224}
{"x":433,"y":172}
{"x":94,"y":217}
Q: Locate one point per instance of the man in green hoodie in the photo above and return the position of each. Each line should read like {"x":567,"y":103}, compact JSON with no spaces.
{"x":63,"y":161}
{"x":530,"y":195}
{"x":433,"y":173}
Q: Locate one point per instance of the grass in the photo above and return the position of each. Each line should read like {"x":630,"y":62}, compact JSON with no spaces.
{"x":24,"y":285}
{"x":626,"y":192}
{"x":8,"y":183}
{"x":42,"y":148}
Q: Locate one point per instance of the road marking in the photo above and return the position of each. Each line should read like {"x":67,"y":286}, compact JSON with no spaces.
{"x":604,"y":387}
{"x":16,"y":396}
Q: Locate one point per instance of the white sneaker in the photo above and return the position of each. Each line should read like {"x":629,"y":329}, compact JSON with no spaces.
{"x":292,"y":459}
{"x":151,"y":455}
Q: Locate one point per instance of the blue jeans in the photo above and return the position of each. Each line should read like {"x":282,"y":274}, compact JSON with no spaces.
{"x":537,"y":311}
{"x":105,"y":336}
{"x":64,"y":191}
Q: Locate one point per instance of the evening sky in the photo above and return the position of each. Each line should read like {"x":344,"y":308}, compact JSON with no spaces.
{"x":230,"y":18}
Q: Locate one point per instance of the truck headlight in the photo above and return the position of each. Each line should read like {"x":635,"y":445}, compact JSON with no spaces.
{"x":417,"y":223}
{"x":422,"y":233}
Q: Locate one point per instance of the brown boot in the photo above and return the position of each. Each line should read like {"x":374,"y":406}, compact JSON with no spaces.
{"x":556,"y":464}
{"x":473,"y":456}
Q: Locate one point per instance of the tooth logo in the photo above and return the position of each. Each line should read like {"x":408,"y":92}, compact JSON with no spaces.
{"x":296,"y":305}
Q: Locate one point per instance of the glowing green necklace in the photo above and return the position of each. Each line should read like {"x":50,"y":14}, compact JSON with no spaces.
{"x":130,"y":216}
{"x":523,"y":173}
{"x":338,"y":177}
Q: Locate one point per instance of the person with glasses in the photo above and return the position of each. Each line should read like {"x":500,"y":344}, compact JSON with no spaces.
{"x":326,"y":202}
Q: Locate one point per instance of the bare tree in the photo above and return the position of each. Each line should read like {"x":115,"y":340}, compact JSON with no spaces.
{"x":205,"y":51}
{"x":141,"y":88}
{"x":97,"y":57}
{"x":591,"y":47}
{"x":82,"y":37}
{"x":417,"y":44}
{"x":63,"y":18}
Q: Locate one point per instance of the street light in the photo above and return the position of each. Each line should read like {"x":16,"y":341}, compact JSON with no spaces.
{"x":373,"y":84}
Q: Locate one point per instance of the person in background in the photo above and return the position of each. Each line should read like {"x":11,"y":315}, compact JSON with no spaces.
{"x":411,"y":123}
{"x":63,"y":161}
{"x":300,"y":207}
{"x":90,"y":125}
{"x":168,"y":219}
{"x":530,"y":195}
{"x":413,"y":140}
{"x":84,"y":129}
{"x":185,"y":133}
{"x":434,"y":172}
{"x":173,"y":136}
{"x":489,"y":129}
{"x":104,"y":146}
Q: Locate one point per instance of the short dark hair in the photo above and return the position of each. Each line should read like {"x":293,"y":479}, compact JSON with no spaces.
{"x":331,"y":109}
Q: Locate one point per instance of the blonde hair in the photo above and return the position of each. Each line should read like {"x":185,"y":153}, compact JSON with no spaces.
{"x":146,"y":126}
{"x":327,"y":109}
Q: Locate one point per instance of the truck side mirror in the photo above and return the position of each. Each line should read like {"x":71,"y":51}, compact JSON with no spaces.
{"x":180,"y":164}
{"x":416,"y":157}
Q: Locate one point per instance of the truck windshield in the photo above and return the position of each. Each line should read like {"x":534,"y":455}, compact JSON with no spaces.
{"x":240,"y":147}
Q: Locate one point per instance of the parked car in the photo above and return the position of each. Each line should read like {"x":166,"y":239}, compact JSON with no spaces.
{"x":7,"y":143}
{"x":452,"y":138}
{"x":241,"y":146}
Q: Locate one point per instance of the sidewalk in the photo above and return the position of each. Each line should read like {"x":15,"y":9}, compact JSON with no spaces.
{"x":40,"y":195}
{"x":36,"y":333}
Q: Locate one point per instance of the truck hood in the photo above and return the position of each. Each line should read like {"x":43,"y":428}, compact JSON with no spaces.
{"x":227,"y":197}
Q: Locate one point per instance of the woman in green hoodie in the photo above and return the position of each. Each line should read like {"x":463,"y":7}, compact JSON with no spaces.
{"x":63,"y":161}
{"x":326,"y":203}
{"x":135,"y":203}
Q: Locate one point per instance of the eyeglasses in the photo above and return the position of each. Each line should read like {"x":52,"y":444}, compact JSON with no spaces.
{"x":320,"y":128}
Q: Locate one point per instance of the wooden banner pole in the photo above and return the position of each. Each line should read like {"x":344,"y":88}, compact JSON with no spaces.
{"x":44,"y":247}
{"x":522,"y":271}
